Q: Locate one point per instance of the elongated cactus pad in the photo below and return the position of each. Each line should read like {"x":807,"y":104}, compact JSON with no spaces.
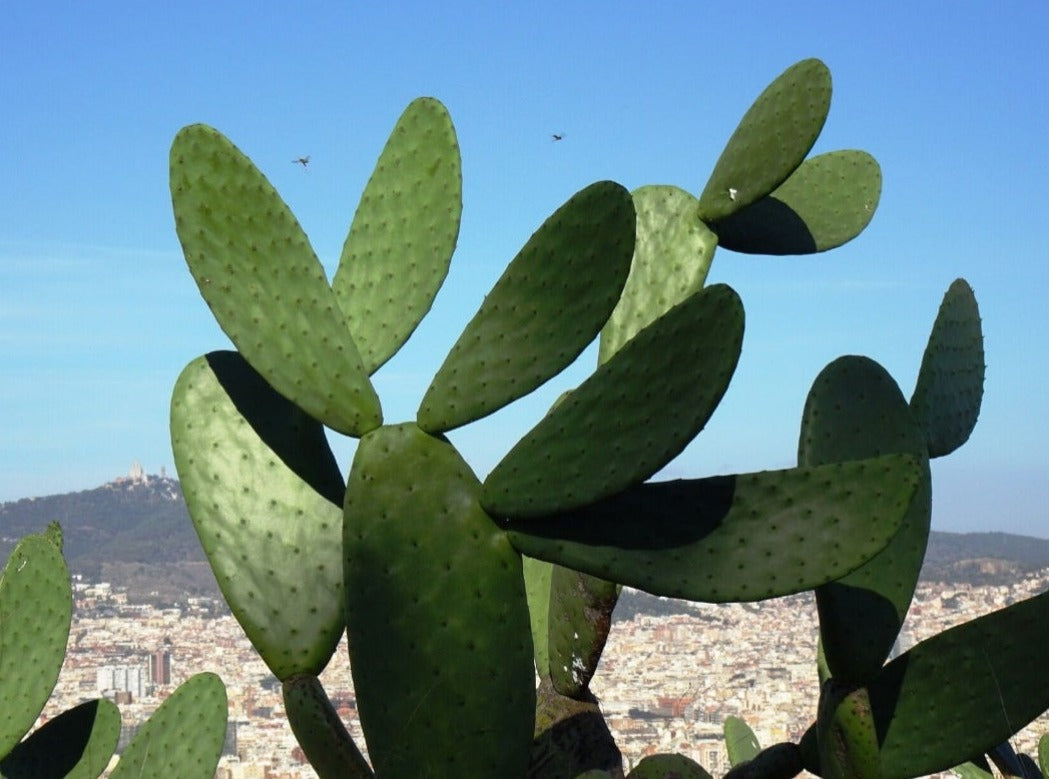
{"x":771,"y":140}
{"x":549,"y":304}
{"x":949,"y":392}
{"x":401,"y":241}
{"x":963,"y":691}
{"x":255,"y":268}
{"x":1043,"y":754}
{"x":740,"y":742}
{"x":36,"y":606}
{"x":580,"y":618}
{"x":183,"y":737}
{"x":436,"y":614}
{"x":855,"y":410}
{"x":265,"y":495}
{"x":631,"y":417}
{"x":826,"y":202}
{"x":848,"y":740}
{"x":672,"y":254}
{"x":537,"y":576}
{"x":732,"y":538}
{"x":77,"y":744}
{"x":321,"y":734}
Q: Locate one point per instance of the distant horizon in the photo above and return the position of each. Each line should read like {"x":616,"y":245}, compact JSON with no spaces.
{"x":173,"y":476}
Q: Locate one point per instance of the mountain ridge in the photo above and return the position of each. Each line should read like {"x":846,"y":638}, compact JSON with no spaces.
{"x":136,"y":530}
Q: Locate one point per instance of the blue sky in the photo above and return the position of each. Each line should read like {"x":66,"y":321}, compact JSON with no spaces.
{"x":98,"y":313}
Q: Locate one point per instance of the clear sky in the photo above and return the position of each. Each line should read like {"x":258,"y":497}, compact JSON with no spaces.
{"x":98,"y":313}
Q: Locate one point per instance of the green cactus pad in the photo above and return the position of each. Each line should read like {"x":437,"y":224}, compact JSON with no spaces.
{"x":549,"y":304}
{"x":963,"y":691}
{"x":949,"y":391}
{"x":36,"y":606}
{"x":580,"y":617}
{"x":740,"y":742}
{"x":672,"y":254}
{"x":848,"y":741}
{"x":779,"y":761}
{"x":77,"y":744}
{"x":255,"y":268}
{"x":1043,"y":754}
{"x":855,"y":410}
{"x":183,"y":737}
{"x":321,"y":734}
{"x":668,"y":767}
{"x":971,"y":770}
{"x":401,"y":241}
{"x":771,"y":140}
{"x":538,"y":575}
{"x":265,"y":495}
{"x":826,"y":202}
{"x":631,"y":417}
{"x":732,"y":538}
{"x":436,"y":614}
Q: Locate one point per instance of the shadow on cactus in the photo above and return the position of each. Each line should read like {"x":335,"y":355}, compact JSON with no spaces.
{"x":413,"y":555}
{"x":183,"y":737}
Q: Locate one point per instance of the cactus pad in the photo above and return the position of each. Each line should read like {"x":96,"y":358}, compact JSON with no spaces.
{"x":668,"y":767}
{"x":963,"y":691}
{"x":855,"y":410}
{"x":537,"y":576}
{"x":631,"y":417}
{"x":672,"y":254}
{"x":949,"y":392}
{"x":265,"y":495}
{"x":183,"y":737}
{"x":401,"y":241}
{"x":580,"y":617}
{"x":436,"y":614}
{"x":549,"y":304}
{"x":740,"y":742}
{"x":826,"y":202}
{"x":36,"y":606}
{"x":319,"y":731}
{"x":732,"y":538}
{"x":77,"y":744}
{"x":771,"y":140}
{"x":255,"y":268}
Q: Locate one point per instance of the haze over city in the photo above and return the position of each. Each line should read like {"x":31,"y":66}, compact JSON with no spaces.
{"x":98,"y":313}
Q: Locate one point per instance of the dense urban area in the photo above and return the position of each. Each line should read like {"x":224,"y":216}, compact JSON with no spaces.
{"x":666,"y":683}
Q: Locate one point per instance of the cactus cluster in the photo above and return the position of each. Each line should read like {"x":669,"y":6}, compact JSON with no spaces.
{"x":182,"y":738}
{"x":454,"y":590}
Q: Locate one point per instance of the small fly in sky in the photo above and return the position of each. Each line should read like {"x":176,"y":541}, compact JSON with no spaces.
{"x":557,"y":136}
{"x":303,"y":161}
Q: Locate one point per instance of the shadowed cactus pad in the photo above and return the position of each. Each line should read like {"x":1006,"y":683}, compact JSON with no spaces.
{"x":77,"y":744}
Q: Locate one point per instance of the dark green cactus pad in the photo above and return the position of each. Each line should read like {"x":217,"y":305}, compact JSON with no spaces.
{"x":848,"y":741}
{"x":771,"y":140}
{"x":36,"y":606}
{"x":668,"y":767}
{"x":579,"y":619}
{"x":255,"y":268}
{"x":265,"y":495}
{"x":631,"y":417}
{"x":403,"y":235}
{"x":183,"y":737}
{"x":971,"y":770}
{"x":949,"y":391}
{"x":321,"y":734}
{"x":549,"y":304}
{"x":779,"y":761}
{"x":732,"y":538}
{"x":436,"y":612}
{"x":855,"y":410}
{"x":740,"y":742}
{"x":1043,"y":754}
{"x":538,"y":575}
{"x":963,"y":691}
{"x":77,"y":744}
{"x":826,"y":202}
{"x":571,"y":737}
{"x":672,"y":254}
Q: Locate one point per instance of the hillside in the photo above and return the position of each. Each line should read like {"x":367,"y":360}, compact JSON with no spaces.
{"x":135,"y":532}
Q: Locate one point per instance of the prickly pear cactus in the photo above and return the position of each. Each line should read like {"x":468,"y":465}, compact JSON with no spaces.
{"x":418,"y":559}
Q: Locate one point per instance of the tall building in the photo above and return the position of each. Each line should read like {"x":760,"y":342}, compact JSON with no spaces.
{"x":160,"y":668}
